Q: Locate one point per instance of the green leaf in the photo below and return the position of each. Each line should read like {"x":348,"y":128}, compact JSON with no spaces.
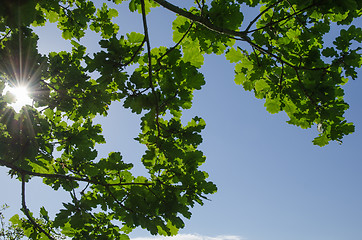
{"x":192,"y":53}
{"x":321,"y":140}
{"x":180,"y":25}
{"x":44,"y":213}
{"x":261,"y":85}
{"x":293,"y":35}
{"x":329,"y":52}
{"x":240,"y":78}
{"x":234,"y":55}
{"x":135,"y":37}
{"x":52,"y":16}
{"x":173,"y":229}
{"x":124,"y":237}
{"x":272,"y":105}
{"x":15,"y":219}
{"x":67,"y":34}
{"x":112,"y":13}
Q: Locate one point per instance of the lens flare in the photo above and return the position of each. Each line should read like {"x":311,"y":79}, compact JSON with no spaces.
{"x":21,"y":94}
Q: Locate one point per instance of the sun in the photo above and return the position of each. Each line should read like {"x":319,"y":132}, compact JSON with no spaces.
{"x":21,"y":94}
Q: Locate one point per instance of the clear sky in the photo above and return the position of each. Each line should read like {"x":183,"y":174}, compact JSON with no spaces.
{"x":273,"y":183}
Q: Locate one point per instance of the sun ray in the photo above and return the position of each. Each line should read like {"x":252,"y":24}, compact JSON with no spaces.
{"x":21,"y":94}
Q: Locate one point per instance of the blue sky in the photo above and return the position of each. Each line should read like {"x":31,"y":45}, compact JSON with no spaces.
{"x":274,"y":184}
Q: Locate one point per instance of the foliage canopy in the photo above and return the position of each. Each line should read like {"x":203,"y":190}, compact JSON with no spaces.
{"x":288,"y":64}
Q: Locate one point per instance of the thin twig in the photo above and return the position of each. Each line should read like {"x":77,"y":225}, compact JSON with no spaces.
{"x":117,"y":201}
{"x":59,"y":91}
{"x":135,"y":54}
{"x":281,"y":78}
{"x":260,"y":14}
{"x":305,"y":91}
{"x":82,"y":192}
{"x":198,"y":4}
{"x":256,"y":57}
{"x":26,"y":211}
{"x":5,"y":36}
{"x":280,"y":20}
{"x":298,"y":19}
{"x":176,"y":45}
{"x":267,"y":52}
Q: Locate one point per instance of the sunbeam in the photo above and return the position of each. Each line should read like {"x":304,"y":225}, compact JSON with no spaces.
{"x":21,"y":94}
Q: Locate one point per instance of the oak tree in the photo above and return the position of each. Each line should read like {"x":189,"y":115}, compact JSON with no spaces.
{"x":287,"y":63}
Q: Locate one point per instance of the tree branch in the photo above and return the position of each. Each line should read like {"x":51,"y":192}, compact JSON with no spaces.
{"x":202,"y":21}
{"x":148,"y":44}
{"x":150,"y":63}
{"x":26,"y":211}
{"x":242,"y":35}
{"x":66,"y":177}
